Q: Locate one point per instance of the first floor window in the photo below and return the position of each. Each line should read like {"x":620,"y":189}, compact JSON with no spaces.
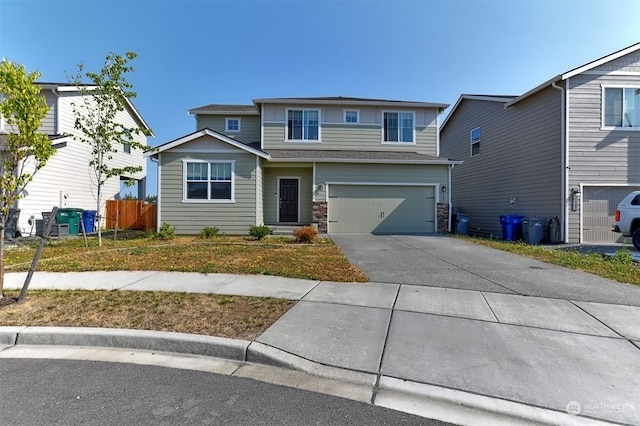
{"x":209,"y":180}
{"x":475,"y":141}
{"x":622,"y":107}
{"x":398,"y":127}
{"x":303,"y":125}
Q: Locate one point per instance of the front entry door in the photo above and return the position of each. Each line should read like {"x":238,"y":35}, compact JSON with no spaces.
{"x":288,"y":200}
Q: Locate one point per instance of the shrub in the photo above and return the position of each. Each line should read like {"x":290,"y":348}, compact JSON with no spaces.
{"x":306,"y":234}
{"x":259,"y":232}
{"x":166,"y":232}
{"x":209,"y":231}
{"x":624,"y":256}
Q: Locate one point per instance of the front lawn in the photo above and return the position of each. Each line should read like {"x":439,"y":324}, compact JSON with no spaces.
{"x":277,"y":256}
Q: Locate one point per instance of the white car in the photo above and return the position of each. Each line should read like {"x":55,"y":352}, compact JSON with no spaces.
{"x":628,"y":218}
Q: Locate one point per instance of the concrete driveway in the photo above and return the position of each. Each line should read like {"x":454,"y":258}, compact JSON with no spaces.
{"x":439,"y":261}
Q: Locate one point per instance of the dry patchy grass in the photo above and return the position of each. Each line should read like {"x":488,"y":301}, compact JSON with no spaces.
{"x":619,"y":268}
{"x":235,"y":255}
{"x":214,"y":315}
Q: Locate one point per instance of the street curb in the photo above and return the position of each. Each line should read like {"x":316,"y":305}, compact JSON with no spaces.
{"x":260,"y":353}
{"x":429,"y":401}
{"x":467,"y":408}
{"x":160,"y":341}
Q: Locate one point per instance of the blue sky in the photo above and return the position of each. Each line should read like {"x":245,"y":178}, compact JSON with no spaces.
{"x":193,"y":53}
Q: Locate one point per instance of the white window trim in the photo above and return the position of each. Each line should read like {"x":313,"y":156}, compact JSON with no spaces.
{"x":344,"y":116}
{"x":286,"y":126}
{"x":226,"y":124}
{"x":473,"y":142}
{"x":615,"y":86}
{"x":413,"y":113}
{"x":185,"y":161}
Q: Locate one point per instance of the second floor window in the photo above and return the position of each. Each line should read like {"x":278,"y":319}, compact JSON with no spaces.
{"x":398,"y":127}
{"x":126,"y":147}
{"x":351,"y":116}
{"x":303,"y":125}
{"x":621,"y":107}
{"x":232,"y":124}
{"x":475,"y":141}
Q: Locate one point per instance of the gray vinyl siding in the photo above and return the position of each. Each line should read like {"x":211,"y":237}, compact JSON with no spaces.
{"x":49,"y":122}
{"x":190,"y":218}
{"x":379,"y":173}
{"x":597,"y":156}
{"x":336,"y":135}
{"x":249,"y":126}
{"x":520,"y":156}
{"x":271,"y":175}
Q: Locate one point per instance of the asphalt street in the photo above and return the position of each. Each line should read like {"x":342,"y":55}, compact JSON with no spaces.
{"x":46,"y":392}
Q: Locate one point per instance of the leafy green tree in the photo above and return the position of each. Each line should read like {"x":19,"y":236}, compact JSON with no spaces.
{"x":26,"y":149}
{"x":96,"y":119}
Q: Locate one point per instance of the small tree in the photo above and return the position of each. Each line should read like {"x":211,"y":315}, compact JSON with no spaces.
{"x":26,"y":149}
{"x":96,"y":119}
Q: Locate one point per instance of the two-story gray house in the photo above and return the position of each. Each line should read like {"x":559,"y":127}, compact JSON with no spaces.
{"x":569,"y":147}
{"x":342,"y":164}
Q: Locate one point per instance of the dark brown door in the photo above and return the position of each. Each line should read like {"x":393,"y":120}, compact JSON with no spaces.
{"x":288,"y":200}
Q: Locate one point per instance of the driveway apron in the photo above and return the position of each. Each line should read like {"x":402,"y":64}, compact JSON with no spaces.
{"x":446,"y":312}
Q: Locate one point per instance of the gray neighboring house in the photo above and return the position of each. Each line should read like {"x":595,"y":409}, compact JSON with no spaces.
{"x":340,"y":164}
{"x":569,"y":147}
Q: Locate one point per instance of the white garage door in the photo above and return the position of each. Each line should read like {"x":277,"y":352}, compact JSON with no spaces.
{"x":599,"y":210}
{"x":381,"y":209}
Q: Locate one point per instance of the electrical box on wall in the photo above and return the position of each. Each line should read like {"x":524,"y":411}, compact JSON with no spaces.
{"x":513,"y":205}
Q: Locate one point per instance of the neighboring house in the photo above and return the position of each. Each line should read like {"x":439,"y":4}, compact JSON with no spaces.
{"x":569,"y":147}
{"x":341,"y":164}
{"x":67,"y":180}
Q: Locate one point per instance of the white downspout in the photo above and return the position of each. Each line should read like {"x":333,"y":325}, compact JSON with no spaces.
{"x":564,"y":140}
{"x":56,"y":131}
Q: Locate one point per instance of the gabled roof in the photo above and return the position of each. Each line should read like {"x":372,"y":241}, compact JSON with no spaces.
{"x":205,"y":132}
{"x":71,"y":87}
{"x":350,"y":101}
{"x":489,"y":98}
{"x":348,"y":156}
{"x":225,"y":109}
{"x":578,"y":70}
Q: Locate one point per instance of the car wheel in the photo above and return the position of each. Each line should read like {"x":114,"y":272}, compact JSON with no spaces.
{"x":635,"y":239}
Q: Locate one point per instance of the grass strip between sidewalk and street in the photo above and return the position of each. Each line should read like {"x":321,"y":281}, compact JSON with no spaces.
{"x":213,"y":315}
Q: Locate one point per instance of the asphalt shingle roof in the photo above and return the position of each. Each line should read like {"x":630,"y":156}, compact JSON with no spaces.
{"x":225,"y":109}
{"x":306,"y":154}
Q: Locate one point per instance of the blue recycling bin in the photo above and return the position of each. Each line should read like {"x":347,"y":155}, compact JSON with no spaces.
{"x":89,"y":220}
{"x":462,"y":223}
{"x":512,"y":227}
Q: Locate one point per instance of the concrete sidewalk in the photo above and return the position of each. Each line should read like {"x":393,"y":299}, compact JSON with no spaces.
{"x":466,"y":356}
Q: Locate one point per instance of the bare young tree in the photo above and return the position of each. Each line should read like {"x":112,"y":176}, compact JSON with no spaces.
{"x":102,"y":98}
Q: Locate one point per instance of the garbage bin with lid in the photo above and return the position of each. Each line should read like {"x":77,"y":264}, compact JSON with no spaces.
{"x":89,"y":220}
{"x":511,"y":227}
{"x":70,"y":216}
{"x":536,"y":227}
{"x":11,"y":225}
{"x":462,"y":223}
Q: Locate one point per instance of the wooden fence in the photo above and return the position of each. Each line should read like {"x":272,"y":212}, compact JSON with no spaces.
{"x":131,"y":214}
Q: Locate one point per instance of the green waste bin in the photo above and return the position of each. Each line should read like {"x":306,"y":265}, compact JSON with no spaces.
{"x":72,"y":217}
